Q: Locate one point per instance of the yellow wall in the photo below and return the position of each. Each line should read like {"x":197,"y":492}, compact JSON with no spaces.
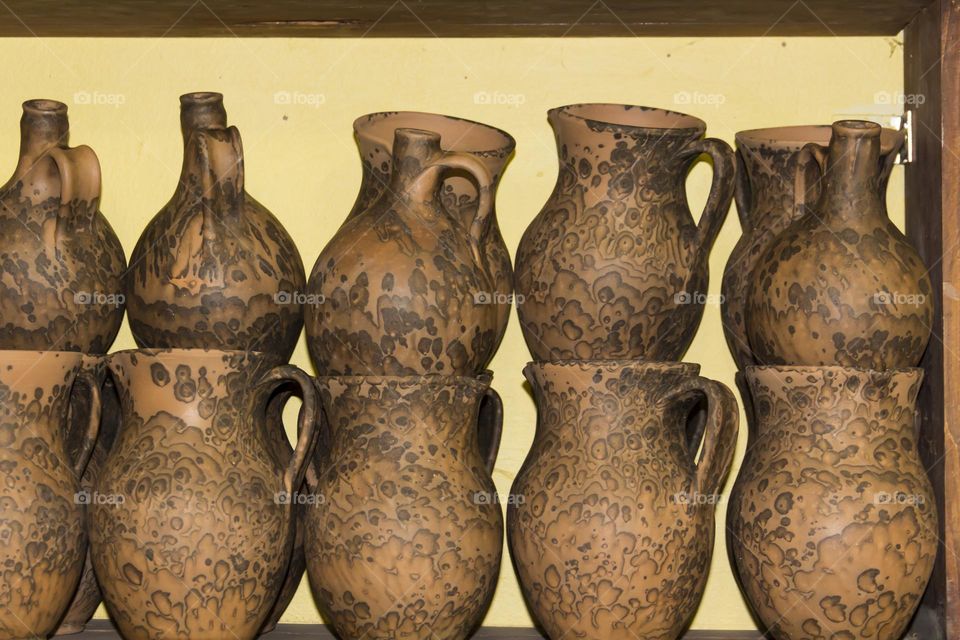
{"x":303,"y":165}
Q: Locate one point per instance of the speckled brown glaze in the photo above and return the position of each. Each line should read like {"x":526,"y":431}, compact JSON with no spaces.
{"x":42,"y":538}
{"x":401,"y":286}
{"x":842,"y":285}
{"x":199,"y":546}
{"x":86,"y":598}
{"x":491,"y":146}
{"x":611,"y":518}
{"x":407,"y":540}
{"x":832,"y":517}
{"x":614,"y":266}
{"x":61,"y":265}
{"x":214,"y":269}
{"x":766,"y":203}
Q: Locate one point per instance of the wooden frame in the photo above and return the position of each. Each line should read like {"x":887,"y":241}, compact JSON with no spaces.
{"x":931,"y":70}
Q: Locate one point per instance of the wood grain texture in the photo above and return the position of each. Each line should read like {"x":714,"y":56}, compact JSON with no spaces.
{"x":932,"y":69}
{"x":103,"y":630}
{"x":450,"y":18}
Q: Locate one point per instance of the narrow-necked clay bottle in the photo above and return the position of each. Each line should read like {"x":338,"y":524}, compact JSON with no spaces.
{"x":214,"y":268}
{"x":62,"y":265}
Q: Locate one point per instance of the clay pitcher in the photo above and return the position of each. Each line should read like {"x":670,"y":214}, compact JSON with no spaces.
{"x":406,"y":540}
{"x":61,"y":282}
{"x":86,"y":598}
{"x":404,"y":284}
{"x":214,"y":269}
{"x":614,"y":265}
{"x":44,"y":541}
{"x":842,"y":285}
{"x":832,"y":518}
{"x":611,"y":518}
{"x":198,"y":536}
{"x":494,"y":148}
{"x":766,"y":203}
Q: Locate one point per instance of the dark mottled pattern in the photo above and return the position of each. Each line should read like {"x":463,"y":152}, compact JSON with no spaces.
{"x":214,"y":269}
{"x":407,"y":541}
{"x":42,"y":538}
{"x":611,"y":519}
{"x":57,"y":251}
{"x":400,"y":281}
{"x":200,"y":546}
{"x":86,"y":598}
{"x":614,"y":266}
{"x":832,"y":517}
{"x":842,"y":285}
{"x":459,"y":195}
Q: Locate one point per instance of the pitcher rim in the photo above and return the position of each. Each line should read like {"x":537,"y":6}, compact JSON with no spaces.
{"x":158,"y":352}
{"x":836,"y":368}
{"x":693,"y":123}
{"x":767,"y":136}
{"x":450,"y":380}
{"x":616,"y":362}
{"x":508,"y":146}
{"x":8,"y":354}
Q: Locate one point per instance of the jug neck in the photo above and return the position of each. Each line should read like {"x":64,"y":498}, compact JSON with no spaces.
{"x":43,"y":125}
{"x":411,"y":180}
{"x":201,"y":110}
{"x":852,"y":176}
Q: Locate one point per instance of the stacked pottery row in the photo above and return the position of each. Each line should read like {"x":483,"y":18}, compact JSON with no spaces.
{"x":827,"y":308}
{"x":611,"y":518}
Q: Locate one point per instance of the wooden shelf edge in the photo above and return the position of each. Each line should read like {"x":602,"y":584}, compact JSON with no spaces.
{"x":104,"y":630}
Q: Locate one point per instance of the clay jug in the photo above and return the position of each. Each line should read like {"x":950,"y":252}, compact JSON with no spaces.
{"x":841,"y":285}
{"x":832,"y":517}
{"x":407,"y":540}
{"x":404,"y":283}
{"x":214,"y":269}
{"x":61,"y":284}
{"x":86,"y":597}
{"x":491,"y":146}
{"x":611,"y":518}
{"x":614,"y":266}
{"x":766,"y":203}
{"x":197,"y":540}
{"x":41,"y":515}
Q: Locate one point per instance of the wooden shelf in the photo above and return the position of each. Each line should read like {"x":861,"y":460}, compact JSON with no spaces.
{"x":455,"y":18}
{"x":103,"y":630}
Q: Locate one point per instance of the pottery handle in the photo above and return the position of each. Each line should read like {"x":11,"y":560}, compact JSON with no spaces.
{"x":490,"y":427}
{"x":453,"y":160}
{"x":721,"y":188}
{"x":220,"y":156}
{"x":89,"y":380}
{"x":811,"y":155}
{"x":742,"y":192}
{"x":719,"y":433}
{"x":306,"y":422}
{"x":890,"y":160}
{"x":80,"y":179}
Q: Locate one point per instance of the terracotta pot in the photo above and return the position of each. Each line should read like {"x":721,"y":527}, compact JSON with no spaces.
{"x":198,"y":537}
{"x":491,"y":146}
{"x":766,"y":203}
{"x":832,"y":517}
{"x":61,"y":286}
{"x":842,"y":285}
{"x":611,"y":518}
{"x":86,"y":598}
{"x":614,"y":266}
{"x":406,"y":540}
{"x":402,"y":286}
{"x":214,"y":269}
{"x":43,"y":538}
